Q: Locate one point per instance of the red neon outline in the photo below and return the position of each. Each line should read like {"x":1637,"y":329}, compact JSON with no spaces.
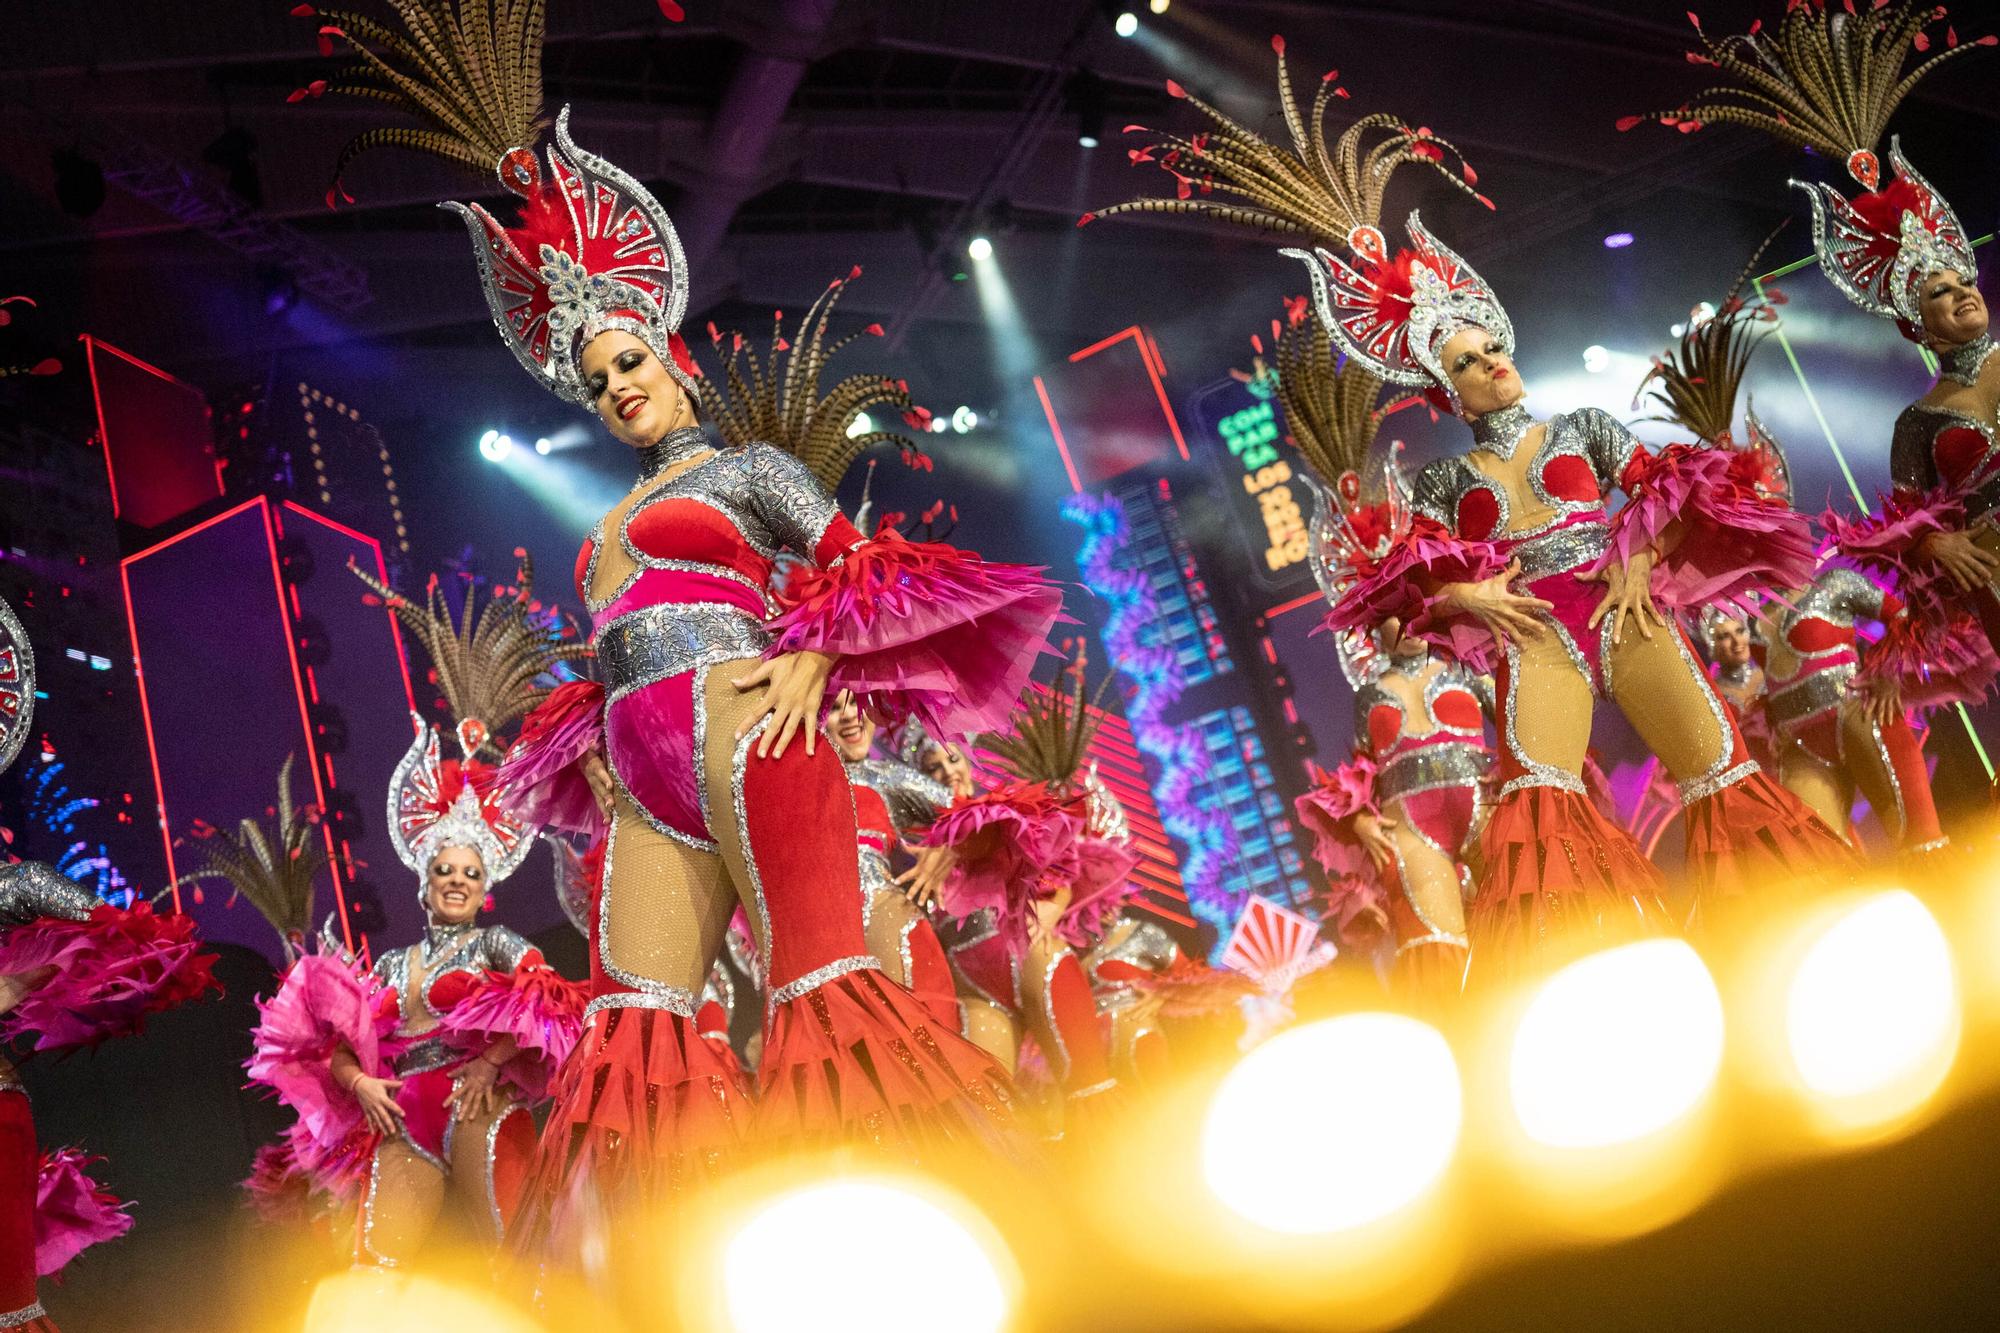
{"x":1282,"y":607}
{"x":1055,"y":428}
{"x":382,"y":572}
{"x":90,"y":345}
{"x":273,"y":531}
{"x":1156,"y":370}
{"x":1130,"y":331}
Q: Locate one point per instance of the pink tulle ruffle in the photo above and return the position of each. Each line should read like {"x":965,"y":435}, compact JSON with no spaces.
{"x":71,"y":1212}
{"x":541,"y":781}
{"x":1025,"y":850}
{"x":1102,"y":887}
{"x":111,"y":972}
{"x":1733,"y":539}
{"x":322,"y":1004}
{"x":1402,"y":585}
{"x":1884,"y":545}
{"x":1933,"y":662}
{"x":1336,"y":797}
{"x":535,"y":1005}
{"x":923,"y":629}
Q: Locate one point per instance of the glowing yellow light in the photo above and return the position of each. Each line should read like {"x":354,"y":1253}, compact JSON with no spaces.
{"x":373,"y":1300}
{"x":1386,"y":1106}
{"x":1871,"y":1015}
{"x":1617,"y":1046}
{"x":813,"y":1259}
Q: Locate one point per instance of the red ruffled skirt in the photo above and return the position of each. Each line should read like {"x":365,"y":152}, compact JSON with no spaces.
{"x":1753,"y":838}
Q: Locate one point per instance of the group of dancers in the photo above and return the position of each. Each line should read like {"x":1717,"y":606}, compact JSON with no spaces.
{"x":807,"y":784}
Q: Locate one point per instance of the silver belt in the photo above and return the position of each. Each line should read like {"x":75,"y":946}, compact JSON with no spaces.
{"x":1560,"y":551}
{"x":1453,"y":764}
{"x":657,"y":642}
{"x":1810,"y":697}
{"x":423,"y":1057}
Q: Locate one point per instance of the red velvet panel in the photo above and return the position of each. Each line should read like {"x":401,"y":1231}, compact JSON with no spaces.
{"x":802,"y":841}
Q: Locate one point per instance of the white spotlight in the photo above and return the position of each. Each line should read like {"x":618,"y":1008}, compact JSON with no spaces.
{"x":964,"y":419}
{"x":939,"y":425}
{"x":1126,"y":24}
{"x":1596,"y":358}
{"x":828,"y":1236}
{"x":1158,"y":6}
{"x":1871,"y":1014}
{"x":542,"y":446}
{"x":861,"y":425}
{"x":1616,"y":1046}
{"x":979,"y":249}
{"x":494,"y":446}
{"x":1086,"y":141}
{"x":1384,"y":1088}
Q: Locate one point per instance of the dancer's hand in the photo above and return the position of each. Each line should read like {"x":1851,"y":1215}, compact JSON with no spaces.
{"x":1630,"y":595}
{"x":1372,"y":832}
{"x":1969,"y":564}
{"x":14,"y":986}
{"x":598,"y":774}
{"x":474,"y":1093}
{"x":921,"y":882}
{"x":797,"y":689}
{"x":378,"y":1104}
{"x":1508,"y":614}
{"x":1881,"y":702}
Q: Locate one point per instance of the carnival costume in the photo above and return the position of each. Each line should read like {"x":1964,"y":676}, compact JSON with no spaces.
{"x":1420,"y":752}
{"x":423,"y":1016}
{"x":1741,"y":684}
{"x":1043,"y":864}
{"x":1829,"y":81}
{"x":90,"y":971}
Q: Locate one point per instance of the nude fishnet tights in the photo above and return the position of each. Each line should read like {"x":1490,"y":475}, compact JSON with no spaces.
{"x":1660,"y":691}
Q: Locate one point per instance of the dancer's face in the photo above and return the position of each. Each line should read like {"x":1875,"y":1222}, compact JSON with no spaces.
{"x":1482,"y":373}
{"x":853,"y":730}
{"x":631,"y":390}
{"x":1730,"y":639}
{"x":1954,"y":311}
{"x":948,"y":764}
{"x":456,"y":885}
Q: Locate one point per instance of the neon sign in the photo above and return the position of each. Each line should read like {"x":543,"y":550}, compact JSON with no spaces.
{"x":1250,"y":433}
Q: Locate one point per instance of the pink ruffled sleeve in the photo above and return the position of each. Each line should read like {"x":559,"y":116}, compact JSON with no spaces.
{"x":1403,"y":584}
{"x":1027,"y":852}
{"x":535,"y":1005}
{"x":1884,"y":545}
{"x":322,"y":1004}
{"x":1103,"y":886}
{"x":920,"y":628}
{"x":1733,"y":539}
{"x":1328,"y":811}
{"x":111,"y":972}
{"x":542,"y":782}
{"x":72,"y":1212}
{"x":1933,"y":661}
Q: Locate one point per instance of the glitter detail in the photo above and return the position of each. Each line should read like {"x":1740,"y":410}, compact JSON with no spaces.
{"x":644,"y":985}
{"x":1451,"y":676}
{"x":1060,"y":1055}
{"x":1435,"y":937}
{"x":1707,"y":785}
{"x":1934,"y":845}
{"x":1535,"y":772}
{"x":1561,"y":551}
{"x":820,"y":976}
{"x":1555,"y":777}
{"x":491,"y":1165}
{"x":903,"y":948}
{"x":671,"y":449}
{"x":656,"y":643}
{"x":1961,"y":365}
{"x":11,"y":1318}
{"x":30,"y":890}
{"x":1888,"y":767}
{"x":1448,"y":764}
{"x":739,"y":763}
{"x":367,"y":1237}
{"x":913,"y":796}
{"x":1793,"y":705}
{"x":672,"y":999}
{"x":1500,"y":433}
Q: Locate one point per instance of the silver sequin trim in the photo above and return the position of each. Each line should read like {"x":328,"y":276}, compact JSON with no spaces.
{"x":1554,"y":777}
{"x":1435,"y":937}
{"x":1707,"y":785}
{"x":1452,"y":764}
{"x":1559,"y":552}
{"x":1792,"y":706}
{"x":656,"y":643}
{"x":14,"y":1318}
{"x":644,"y":985}
{"x":425,"y":1056}
{"x":670,"y":998}
{"x":820,"y":976}
{"x":492,"y":1165}
{"x":1061,"y":1053}
{"x":903,"y":948}
{"x":739,"y":762}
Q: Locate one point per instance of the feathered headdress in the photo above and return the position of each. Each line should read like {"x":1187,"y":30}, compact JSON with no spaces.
{"x":273,"y":868}
{"x":775,"y":398}
{"x":491,"y":665}
{"x":1051,"y":729}
{"x":1828,"y":80}
{"x":436,"y":803}
{"x":1331,"y":403}
{"x":593,"y":249}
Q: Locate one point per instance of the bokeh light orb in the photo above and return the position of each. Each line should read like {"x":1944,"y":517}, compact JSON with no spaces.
{"x":1385,"y":1104}
{"x":1616,"y":1046}
{"x":374,"y":1300}
{"x":1871,"y":1014}
{"x":825,"y":1257}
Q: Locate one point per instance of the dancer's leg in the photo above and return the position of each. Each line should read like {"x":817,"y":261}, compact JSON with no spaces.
{"x":399,"y":1206}
{"x":1819,"y":783}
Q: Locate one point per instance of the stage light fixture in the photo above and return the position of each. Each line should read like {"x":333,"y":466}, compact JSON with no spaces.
{"x":1618,"y":240}
{"x":830,"y":1236}
{"x":1125,"y":24}
{"x":1617,"y":1046}
{"x":1375,"y":1079}
{"x":1871,"y":1014}
{"x":979,"y":249}
{"x":964,"y":419}
{"x":1596,"y":358}
{"x":861,"y":425}
{"x":542,"y":446}
{"x":494,"y":446}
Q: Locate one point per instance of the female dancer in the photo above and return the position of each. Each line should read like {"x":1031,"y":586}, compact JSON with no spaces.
{"x":1529,"y":503}
{"x":1042,"y":862}
{"x":699,"y":751}
{"x":1829,"y":82}
{"x":74,"y":971}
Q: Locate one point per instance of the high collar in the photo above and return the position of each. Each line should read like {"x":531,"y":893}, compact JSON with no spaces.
{"x":438,"y":937}
{"x":676,"y":446}
{"x":1961,"y":365}
{"x":1736,"y":674}
{"x":1501,"y":432}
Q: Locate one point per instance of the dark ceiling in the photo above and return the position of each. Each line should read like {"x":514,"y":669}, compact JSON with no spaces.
{"x":793,"y":138}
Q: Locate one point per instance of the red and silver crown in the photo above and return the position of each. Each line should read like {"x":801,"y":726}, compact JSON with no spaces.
{"x":594,"y":250}
{"x":17,"y":686}
{"x":1393,"y":315}
{"x":435,"y":804}
{"x":1879,"y":248}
